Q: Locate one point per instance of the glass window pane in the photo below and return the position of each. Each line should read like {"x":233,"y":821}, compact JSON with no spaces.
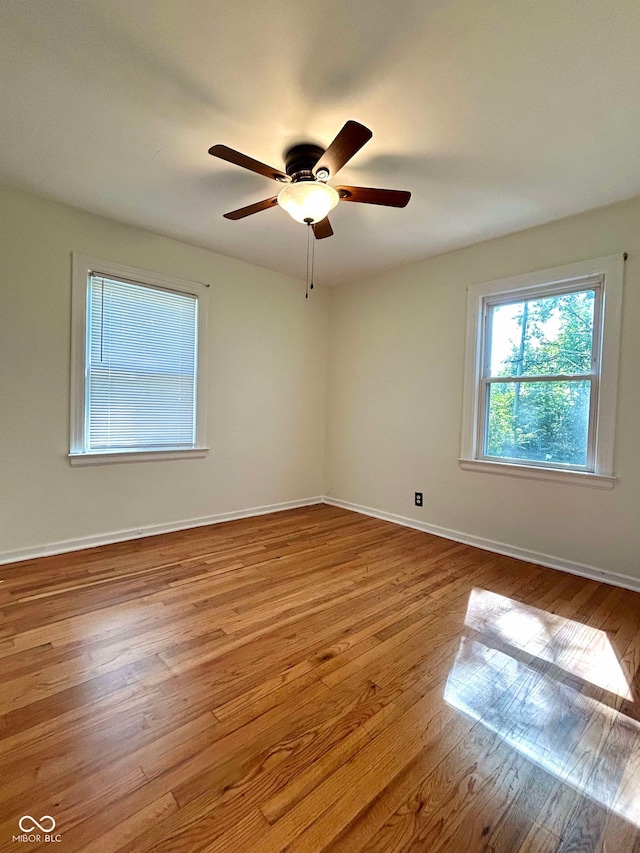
{"x":539,"y":421}
{"x":544,"y":336}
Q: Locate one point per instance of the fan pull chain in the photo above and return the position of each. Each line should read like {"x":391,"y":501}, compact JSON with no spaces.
{"x":312,"y":239}
{"x":310,"y":257}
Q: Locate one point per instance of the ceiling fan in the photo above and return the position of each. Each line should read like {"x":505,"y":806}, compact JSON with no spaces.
{"x":307,"y":196}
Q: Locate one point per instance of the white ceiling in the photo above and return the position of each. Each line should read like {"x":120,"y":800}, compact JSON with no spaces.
{"x":496,"y":114}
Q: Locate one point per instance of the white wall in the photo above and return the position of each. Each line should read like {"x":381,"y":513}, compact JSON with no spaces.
{"x":267,"y":385}
{"x":395,"y":400}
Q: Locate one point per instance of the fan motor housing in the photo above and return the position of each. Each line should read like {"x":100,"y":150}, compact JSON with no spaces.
{"x":300,"y":160}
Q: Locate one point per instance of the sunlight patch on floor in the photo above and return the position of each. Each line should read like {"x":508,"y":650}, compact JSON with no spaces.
{"x":577,"y":648}
{"x":553,"y":689}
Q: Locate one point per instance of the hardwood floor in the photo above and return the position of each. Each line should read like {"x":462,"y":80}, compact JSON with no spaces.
{"x":316,"y":680}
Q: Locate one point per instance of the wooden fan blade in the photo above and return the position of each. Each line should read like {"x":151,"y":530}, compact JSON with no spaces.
{"x":369,"y":195}
{"x":347,"y":143}
{"x":252,"y":208}
{"x":238,"y":159}
{"x":322,"y":229}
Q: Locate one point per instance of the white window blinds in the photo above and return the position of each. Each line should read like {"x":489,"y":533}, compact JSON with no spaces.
{"x":140,"y":390}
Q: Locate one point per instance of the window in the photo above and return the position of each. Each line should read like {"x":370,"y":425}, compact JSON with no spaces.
{"x":138,"y":364}
{"x":541,"y":373}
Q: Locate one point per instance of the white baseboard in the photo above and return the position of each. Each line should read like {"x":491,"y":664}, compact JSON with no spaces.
{"x":546,"y":560}
{"x":151,"y":530}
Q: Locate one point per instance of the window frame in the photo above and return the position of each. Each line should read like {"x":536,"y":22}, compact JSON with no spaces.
{"x":605,"y":274}
{"x":83,"y":267}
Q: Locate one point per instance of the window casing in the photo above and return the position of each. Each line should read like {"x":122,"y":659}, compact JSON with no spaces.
{"x":589,"y":388}
{"x":138,"y":365}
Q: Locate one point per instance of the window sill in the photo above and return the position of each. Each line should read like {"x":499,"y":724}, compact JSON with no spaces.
{"x":530,"y":472}
{"x":109,"y":457}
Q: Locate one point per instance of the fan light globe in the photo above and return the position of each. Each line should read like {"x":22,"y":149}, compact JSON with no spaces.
{"x":308,"y":200}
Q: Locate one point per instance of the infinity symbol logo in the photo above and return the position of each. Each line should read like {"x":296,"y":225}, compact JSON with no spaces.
{"x":25,"y":826}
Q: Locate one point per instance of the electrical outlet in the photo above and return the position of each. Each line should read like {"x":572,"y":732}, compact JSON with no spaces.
{"x":418,"y":498}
